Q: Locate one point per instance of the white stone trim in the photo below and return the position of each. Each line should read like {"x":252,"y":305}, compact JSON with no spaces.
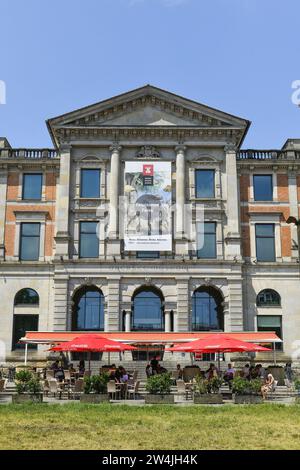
{"x":30,"y":217}
{"x":265,"y":218}
{"x":259,"y":171}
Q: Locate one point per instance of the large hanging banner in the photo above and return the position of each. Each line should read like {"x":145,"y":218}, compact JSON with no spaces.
{"x":147,"y":211}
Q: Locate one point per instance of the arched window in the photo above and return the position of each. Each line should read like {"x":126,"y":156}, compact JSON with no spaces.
{"x":27,"y":296}
{"x":147,"y":310}
{"x":268,"y":298}
{"x":88,"y":310}
{"x":207,"y":310}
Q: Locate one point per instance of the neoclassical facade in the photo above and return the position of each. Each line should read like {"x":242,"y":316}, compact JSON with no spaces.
{"x":63,"y":262}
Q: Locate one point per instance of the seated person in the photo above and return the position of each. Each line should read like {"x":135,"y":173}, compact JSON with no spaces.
{"x":81,"y":367}
{"x":148,"y":371}
{"x":154,"y":364}
{"x":59,"y":374}
{"x":268,"y":386}
{"x":211,"y":372}
{"x":160,"y":369}
{"x":179,"y":371}
{"x":124,"y":376}
{"x":229,"y":374}
{"x":72,"y":370}
{"x":55,"y":365}
{"x":246,"y":371}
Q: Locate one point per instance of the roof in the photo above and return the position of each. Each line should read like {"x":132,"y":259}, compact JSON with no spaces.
{"x":68,"y":118}
{"x":51,"y":337}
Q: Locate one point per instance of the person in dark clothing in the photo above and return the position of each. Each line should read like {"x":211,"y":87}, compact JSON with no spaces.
{"x":154,"y":364}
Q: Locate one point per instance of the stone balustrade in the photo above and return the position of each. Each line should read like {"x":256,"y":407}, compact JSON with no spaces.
{"x":268,"y":155}
{"x":28,"y":153}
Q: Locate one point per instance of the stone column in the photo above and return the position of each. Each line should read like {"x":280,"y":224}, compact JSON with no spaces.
{"x":235,"y":318}
{"x":181,"y":243}
{"x":233,"y":241}
{"x":3,"y":190}
{"x":128,"y":321}
{"x":63,"y":202}
{"x":225,"y":306}
{"x":113,"y":322}
{"x":114,"y":190}
{"x":183,"y":305}
{"x":60,"y":311}
{"x":168,"y":321}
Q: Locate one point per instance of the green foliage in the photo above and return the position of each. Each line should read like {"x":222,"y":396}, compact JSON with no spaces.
{"x":96,"y":383}
{"x":242,"y":386}
{"x":27,"y":383}
{"x":34,"y":386}
{"x":255,"y":385}
{"x":204,"y":386}
{"x":297,"y":384}
{"x":159,"y":384}
{"x":24,"y":376}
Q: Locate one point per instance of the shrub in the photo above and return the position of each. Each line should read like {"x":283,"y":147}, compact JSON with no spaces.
{"x":241,"y":386}
{"x":96,"y":383}
{"x":159,"y":384}
{"x":27,"y":383}
{"x":204,"y":386}
{"x":24,"y":376}
{"x":297,"y":384}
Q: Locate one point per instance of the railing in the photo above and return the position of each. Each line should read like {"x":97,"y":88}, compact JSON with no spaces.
{"x":28,"y":153}
{"x":268,"y":155}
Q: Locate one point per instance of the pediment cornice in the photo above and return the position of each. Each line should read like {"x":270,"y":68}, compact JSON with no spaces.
{"x":131,"y":110}
{"x":175,"y":134}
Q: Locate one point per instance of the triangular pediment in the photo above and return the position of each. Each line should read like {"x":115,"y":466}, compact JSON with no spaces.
{"x":148,"y":106}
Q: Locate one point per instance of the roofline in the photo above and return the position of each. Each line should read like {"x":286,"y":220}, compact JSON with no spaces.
{"x":145,"y":87}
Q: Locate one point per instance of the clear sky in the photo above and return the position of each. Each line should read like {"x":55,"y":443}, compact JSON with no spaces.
{"x":240,"y":56}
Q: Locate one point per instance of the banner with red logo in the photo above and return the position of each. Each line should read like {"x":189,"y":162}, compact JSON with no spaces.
{"x":148,"y":200}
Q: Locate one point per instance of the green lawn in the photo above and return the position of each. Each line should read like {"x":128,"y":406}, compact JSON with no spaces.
{"x":77,"y":426}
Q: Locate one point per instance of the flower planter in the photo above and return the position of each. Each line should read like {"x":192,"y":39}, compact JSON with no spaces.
{"x":208,"y":399}
{"x":152,"y":399}
{"x":94,"y":398}
{"x":27,"y":398}
{"x":247,"y":399}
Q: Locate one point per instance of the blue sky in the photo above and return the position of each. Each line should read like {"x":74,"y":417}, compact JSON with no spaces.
{"x":240,"y":56}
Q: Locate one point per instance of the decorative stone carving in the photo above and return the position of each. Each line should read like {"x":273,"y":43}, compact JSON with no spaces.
{"x":148,"y":281}
{"x":148,"y":151}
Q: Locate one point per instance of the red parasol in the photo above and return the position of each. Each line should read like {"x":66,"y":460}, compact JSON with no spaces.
{"x":218,"y":343}
{"x":92,"y":343}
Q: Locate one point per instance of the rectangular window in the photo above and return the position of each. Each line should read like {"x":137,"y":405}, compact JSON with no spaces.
{"x":88,"y":240}
{"x":147,"y":254}
{"x":32,"y":186}
{"x":23,"y":323}
{"x":29,"y":241}
{"x":205,"y":183}
{"x":90,"y":183}
{"x":265,"y":242}
{"x":271,"y":323}
{"x":206,"y":234}
{"x":263,"y":187}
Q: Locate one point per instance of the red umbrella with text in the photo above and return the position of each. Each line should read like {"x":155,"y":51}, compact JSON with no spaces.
{"x":92,"y":343}
{"x":218,"y":343}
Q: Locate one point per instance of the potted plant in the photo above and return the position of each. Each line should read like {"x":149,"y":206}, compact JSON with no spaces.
{"x":246,"y":391}
{"x":159,"y":388}
{"x":207,"y":391}
{"x":297,"y":388}
{"x":28,"y":388}
{"x":95,"y":389}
